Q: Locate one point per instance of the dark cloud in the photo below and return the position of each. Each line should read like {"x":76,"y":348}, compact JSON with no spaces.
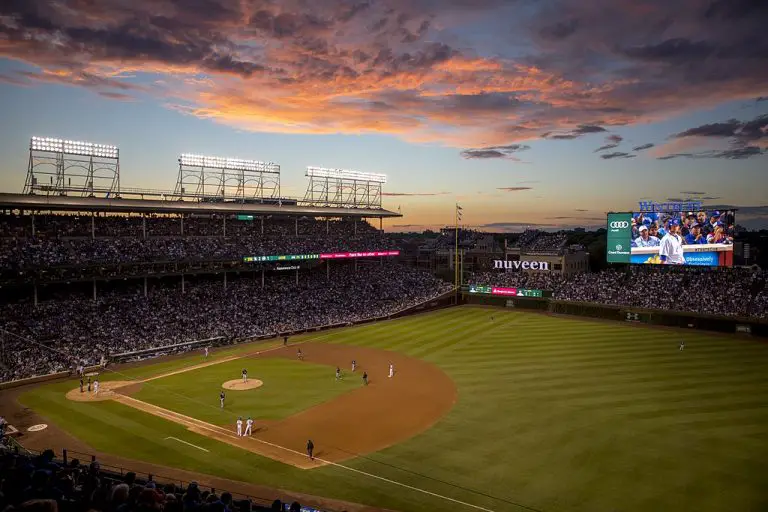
{"x":494,"y":151}
{"x":617,"y":154}
{"x":741,"y":135}
{"x":514,"y":189}
{"x":612,"y":141}
{"x":560,"y":30}
{"x":676,"y":50}
{"x":736,"y":9}
{"x":643,"y":147}
{"x":580,"y":130}
{"x":736,"y":153}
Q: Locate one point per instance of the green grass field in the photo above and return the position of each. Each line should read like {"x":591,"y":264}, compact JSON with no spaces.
{"x":555,"y":414}
{"x":196,"y":393}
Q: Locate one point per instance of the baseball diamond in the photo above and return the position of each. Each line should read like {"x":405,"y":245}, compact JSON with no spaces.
{"x":559,"y":391}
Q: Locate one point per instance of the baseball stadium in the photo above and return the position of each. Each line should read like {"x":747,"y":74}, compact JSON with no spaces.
{"x":220,"y":343}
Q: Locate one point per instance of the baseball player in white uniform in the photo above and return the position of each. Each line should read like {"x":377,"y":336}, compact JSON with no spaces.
{"x":240,"y":427}
{"x":206,"y":352}
{"x":96,"y":387}
{"x":221,"y":399}
{"x":249,"y":427}
{"x":671,"y":247}
{"x":391,"y":370}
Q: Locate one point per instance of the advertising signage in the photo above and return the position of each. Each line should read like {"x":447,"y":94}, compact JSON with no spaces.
{"x":521,"y":265}
{"x":328,"y":256}
{"x":619,"y":242}
{"x":508,"y":292}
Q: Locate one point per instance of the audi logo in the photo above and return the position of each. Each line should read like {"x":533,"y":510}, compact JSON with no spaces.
{"x":619,"y":224}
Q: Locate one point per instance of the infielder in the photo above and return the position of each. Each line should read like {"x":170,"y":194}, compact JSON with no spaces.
{"x":354,"y":365}
{"x":338,"y":373}
{"x":671,"y":247}
{"x":249,"y":427}
{"x":300,"y":355}
{"x":245,"y":375}
{"x":365,"y":378}
{"x":96,"y":387}
{"x":391,"y":370}
{"x":221,"y":399}
{"x":239,"y":427}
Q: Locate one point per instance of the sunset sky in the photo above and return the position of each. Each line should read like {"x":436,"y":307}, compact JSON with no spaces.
{"x":527,"y":112}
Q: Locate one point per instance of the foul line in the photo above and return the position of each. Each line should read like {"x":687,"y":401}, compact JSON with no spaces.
{"x":221,"y":431}
{"x":188,"y":444}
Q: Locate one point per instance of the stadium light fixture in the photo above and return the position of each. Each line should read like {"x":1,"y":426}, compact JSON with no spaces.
{"x":73,"y":147}
{"x":216,"y":162}
{"x":322,"y":172}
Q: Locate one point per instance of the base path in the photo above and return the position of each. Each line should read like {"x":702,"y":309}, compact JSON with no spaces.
{"x":370,"y":418}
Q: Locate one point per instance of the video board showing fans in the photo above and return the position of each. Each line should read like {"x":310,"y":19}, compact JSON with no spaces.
{"x":700,"y":238}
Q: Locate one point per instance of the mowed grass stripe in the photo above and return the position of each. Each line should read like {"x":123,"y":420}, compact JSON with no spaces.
{"x":555,"y":413}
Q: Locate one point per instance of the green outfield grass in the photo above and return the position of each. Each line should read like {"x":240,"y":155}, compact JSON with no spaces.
{"x":289,"y":387}
{"x":555,"y":414}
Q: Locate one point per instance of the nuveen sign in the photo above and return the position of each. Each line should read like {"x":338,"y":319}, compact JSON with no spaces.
{"x":518,"y":265}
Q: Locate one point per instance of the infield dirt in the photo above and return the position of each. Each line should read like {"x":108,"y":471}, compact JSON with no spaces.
{"x":385,"y":412}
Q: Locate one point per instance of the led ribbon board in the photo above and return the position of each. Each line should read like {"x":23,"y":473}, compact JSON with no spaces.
{"x":327,"y":256}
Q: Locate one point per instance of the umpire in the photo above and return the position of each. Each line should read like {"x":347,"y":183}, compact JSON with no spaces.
{"x":310,"y":449}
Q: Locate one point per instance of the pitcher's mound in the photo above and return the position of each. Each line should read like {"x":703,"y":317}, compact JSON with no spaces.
{"x":239,"y":385}
{"x":106,"y":391}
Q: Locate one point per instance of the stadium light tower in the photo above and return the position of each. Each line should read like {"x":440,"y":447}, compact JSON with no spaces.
{"x":342,"y":188}
{"x":61,"y":166}
{"x":219,"y":178}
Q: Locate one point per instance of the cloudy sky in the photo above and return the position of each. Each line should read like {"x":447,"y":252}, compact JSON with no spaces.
{"x":527,"y":112}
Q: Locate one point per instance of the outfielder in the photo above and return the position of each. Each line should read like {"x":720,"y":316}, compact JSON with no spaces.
{"x":221,"y":399}
{"x":245,"y":375}
{"x":249,"y":427}
{"x":682,"y":345}
{"x":206,"y":352}
{"x":671,"y":247}
{"x":391,"y":370}
{"x":240,"y":427}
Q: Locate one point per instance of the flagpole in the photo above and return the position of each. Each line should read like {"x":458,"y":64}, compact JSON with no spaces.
{"x":456,"y":255}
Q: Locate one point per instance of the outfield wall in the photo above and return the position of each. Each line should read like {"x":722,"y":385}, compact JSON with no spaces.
{"x":724,"y":324}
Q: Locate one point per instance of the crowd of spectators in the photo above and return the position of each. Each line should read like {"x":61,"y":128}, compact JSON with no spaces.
{"x":41,"y":483}
{"x":546,"y":244}
{"x":725,"y":292}
{"x":65,"y":240}
{"x":56,"y":335}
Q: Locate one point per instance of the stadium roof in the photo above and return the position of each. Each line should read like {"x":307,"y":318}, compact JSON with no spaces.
{"x":95,"y":204}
